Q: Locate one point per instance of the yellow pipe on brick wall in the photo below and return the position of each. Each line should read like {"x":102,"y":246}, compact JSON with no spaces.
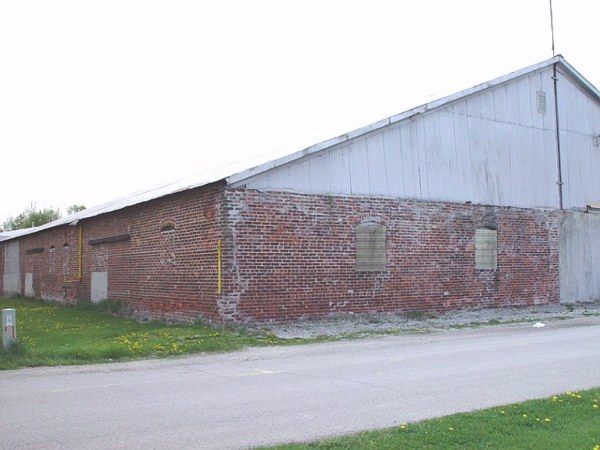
{"x":79,"y":258}
{"x":80,"y":254}
{"x":218,"y":266}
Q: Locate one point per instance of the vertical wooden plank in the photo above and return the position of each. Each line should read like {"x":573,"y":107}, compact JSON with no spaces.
{"x":524,"y":102}
{"x":357,"y":158}
{"x":460,"y":107}
{"x":436,"y":160}
{"x":376,"y":164}
{"x":393,"y":161}
{"x":422,"y":158}
{"x":487,"y":104}
{"x":477,"y":155}
{"x":536,"y":177}
{"x":474,"y":106}
{"x":449,"y":181}
{"x":549,"y":186}
{"x":465,"y":182}
{"x":410,"y":166}
{"x":500,"y":104}
{"x":503,"y":178}
{"x":512,"y":100}
{"x":318,"y":168}
{"x":593,"y":109}
{"x":580,"y":173}
{"x":527,"y":162}
{"x":339,"y":170}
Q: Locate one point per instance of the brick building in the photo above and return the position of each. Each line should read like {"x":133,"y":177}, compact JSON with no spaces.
{"x":483,"y":198}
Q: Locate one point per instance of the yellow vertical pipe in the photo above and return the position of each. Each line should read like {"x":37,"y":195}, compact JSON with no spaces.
{"x":80,"y":254}
{"x":218,"y":266}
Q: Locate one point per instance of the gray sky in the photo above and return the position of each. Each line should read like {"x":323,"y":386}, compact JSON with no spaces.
{"x":101,"y":98}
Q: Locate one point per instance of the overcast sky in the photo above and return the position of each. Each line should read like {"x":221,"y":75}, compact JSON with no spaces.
{"x":102,"y":98}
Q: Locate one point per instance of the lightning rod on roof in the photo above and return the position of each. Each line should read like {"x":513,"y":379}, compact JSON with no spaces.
{"x":552,"y":27}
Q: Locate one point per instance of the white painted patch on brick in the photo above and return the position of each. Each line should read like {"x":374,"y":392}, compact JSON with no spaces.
{"x":29,"y":292}
{"x":11,"y":278}
{"x":99,"y":286}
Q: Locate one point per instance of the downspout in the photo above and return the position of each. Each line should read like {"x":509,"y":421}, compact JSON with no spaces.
{"x":219,"y":266}
{"x":79,"y":258}
{"x":558,"y":155}
{"x":80,"y":254}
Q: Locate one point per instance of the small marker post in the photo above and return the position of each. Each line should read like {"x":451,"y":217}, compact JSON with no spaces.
{"x":9,"y":327}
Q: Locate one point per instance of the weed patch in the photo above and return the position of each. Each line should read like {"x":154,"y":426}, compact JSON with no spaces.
{"x":53,"y":334}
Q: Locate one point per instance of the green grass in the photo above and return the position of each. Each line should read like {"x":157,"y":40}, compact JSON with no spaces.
{"x":567,"y":421}
{"x":51,"y":334}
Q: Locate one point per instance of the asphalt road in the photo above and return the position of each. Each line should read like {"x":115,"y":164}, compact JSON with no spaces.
{"x":271,"y":395}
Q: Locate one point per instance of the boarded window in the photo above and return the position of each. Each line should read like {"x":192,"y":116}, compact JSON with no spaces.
{"x":486,"y":249}
{"x":370,"y":247}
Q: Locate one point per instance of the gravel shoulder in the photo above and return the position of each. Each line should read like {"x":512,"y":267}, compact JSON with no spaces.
{"x":356,"y":325}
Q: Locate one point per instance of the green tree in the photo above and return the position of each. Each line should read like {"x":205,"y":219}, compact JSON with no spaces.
{"x":31,"y":217}
{"x":75,"y":209}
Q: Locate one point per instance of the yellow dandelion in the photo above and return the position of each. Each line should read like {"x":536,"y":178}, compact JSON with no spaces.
{"x":525,"y":415}
{"x":547,"y":420}
{"x":502,"y":412}
{"x":450,"y":429}
{"x":594,"y":406}
{"x":404,"y":426}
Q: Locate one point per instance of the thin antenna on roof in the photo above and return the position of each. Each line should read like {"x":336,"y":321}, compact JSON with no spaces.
{"x":552,"y":27}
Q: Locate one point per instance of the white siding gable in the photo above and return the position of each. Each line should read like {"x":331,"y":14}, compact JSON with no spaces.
{"x":579,"y":127}
{"x":493,"y":147}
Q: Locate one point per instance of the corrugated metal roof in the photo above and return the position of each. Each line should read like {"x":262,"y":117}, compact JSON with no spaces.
{"x":236,"y":173}
{"x":141,"y":196}
{"x":6,"y":235}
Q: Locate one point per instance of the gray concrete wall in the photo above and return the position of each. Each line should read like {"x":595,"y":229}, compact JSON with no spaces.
{"x":11,"y":278}
{"x":579,"y":257}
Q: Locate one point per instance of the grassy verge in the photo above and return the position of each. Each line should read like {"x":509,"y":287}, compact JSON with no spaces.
{"x":51,"y":334}
{"x":567,"y":421}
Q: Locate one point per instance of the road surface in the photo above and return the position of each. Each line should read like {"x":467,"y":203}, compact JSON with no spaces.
{"x":271,"y":395}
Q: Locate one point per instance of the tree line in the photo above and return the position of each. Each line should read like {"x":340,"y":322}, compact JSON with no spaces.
{"x":34,"y":217}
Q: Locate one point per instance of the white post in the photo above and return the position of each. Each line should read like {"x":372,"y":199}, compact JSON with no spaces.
{"x":9,"y":327}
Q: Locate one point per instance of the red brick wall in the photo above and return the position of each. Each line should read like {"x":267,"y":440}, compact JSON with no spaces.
{"x":55,"y":263}
{"x":159,"y":274}
{"x":288,"y":256}
{"x":1,"y":268}
{"x":162,"y":273}
{"x":292,"y":256}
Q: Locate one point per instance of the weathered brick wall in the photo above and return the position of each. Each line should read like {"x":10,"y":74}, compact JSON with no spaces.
{"x":1,"y":268}
{"x":288,"y":256}
{"x":292,"y":256}
{"x":168,"y":267}
{"x":165,"y":267}
{"x":50,"y":257}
